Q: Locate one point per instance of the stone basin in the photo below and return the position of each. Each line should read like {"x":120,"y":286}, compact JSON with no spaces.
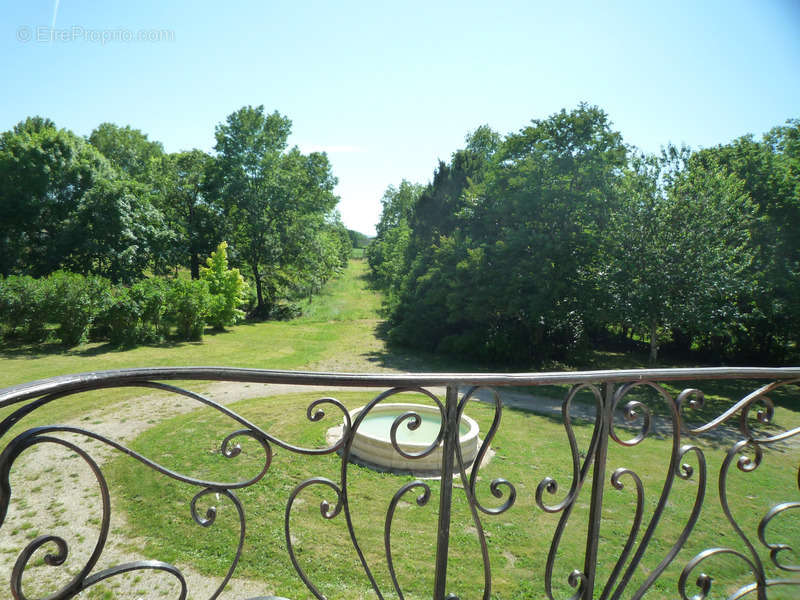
{"x":372,"y":442}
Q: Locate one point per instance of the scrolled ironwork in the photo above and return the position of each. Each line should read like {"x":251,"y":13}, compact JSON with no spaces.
{"x":325,"y":510}
{"x":704,"y":581}
{"x":84,"y":579}
{"x":421,"y":500}
{"x":743,"y":408}
{"x":549,"y":484}
{"x":617,"y":482}
{"x":752,"y":415}
{"x":496,"y":485}
{"x":410,"y":455}
{"x":577,"y":578}
{"x":20,"y":443}
{"x":229,"y":448}
{"x":776,"y":549}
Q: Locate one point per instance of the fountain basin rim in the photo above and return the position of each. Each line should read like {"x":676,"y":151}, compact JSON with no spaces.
{"x":405,"y":407}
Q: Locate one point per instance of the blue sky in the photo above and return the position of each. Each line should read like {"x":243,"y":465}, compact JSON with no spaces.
{"x":388,"y":88}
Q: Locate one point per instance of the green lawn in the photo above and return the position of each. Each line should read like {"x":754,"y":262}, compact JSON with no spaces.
{"x":337,"y":333}
{"x":528,"y":448}
{"x":344,"y":314}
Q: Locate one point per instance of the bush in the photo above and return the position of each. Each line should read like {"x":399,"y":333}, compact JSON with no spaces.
{"x":125,"y":316}
{"x":284,"y":312}
{"x":74,"y":302}
{"x":151,"y":297}
{"x":138,"y":314}
{"x":227,"y":288}
{"x":122,"y":320}
{"x":188,"y":304}
{"x":23,"y":308}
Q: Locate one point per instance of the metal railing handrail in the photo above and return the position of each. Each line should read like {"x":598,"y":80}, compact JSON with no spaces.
{"x":615,"y":395}
{"x":116,"y":377}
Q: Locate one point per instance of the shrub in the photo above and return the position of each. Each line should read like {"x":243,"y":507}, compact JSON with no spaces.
{"x":227,"y":288}
{"x":74,"y":302}
{"x":284,"y":312}
{"x":151,"y":297}
{"x":23,"y":308}
{"x":123,"y":319}
{"x":188,"y":303}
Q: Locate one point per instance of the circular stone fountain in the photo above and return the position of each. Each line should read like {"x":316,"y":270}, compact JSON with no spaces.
{"x":372,"y":441}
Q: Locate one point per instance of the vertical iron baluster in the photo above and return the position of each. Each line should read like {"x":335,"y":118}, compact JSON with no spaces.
{"x":446,"y":493}
{"x":598,"y":482}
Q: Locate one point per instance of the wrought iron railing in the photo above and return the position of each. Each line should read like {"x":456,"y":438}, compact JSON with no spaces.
{"x":618,"y":415}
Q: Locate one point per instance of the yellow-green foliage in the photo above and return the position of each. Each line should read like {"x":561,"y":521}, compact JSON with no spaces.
{"x":227,"y":287}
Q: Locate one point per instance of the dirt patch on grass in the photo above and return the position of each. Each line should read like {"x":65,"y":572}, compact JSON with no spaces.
{"x":55,"y":492}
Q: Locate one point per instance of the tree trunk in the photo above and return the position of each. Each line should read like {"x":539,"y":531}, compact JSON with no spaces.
{"x":653,"y":342}
{"x":195,"y":265}
{"x":194,"y":260}
{"x":259,"y":293}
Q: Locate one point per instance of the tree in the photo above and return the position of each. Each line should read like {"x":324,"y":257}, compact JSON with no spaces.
{"x":115,"y":232}
{"x":386,"y":253}
{"x":273,"y":199}
{"x":128,"y":150}
{"x":32,"y":125}
{"x":44,"y":175}
{"x":677,"y":248}
{"x":769,"y":171}
{"x":226,"y":286}
{"x":62,"y":205}
{"x":358,"y":239}
{"x":190,"y":213}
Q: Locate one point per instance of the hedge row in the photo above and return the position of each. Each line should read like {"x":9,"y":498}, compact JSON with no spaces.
{"x":77,"y":308}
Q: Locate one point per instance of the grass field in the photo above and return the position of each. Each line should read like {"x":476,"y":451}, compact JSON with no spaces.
{"x":344,"y":315}
{"x":337,"y":332}
{"x":518,"y":539}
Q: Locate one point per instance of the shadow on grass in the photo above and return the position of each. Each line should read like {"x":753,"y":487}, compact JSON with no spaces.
{"x":583,"y":414}
{"x":413,"y":360}
{"x":11,"y":350}
{"x":20,"y":350}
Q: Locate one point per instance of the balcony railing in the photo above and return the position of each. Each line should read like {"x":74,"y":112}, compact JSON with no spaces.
{"x":625,"y":548}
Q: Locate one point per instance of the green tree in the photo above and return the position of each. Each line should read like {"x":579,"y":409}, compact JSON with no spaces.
{"x":386,"y":253}
{"x":532,"y":221}
{"x":44,"y":174}
{"x":190,"y":213}
{"x":62,"y":205}
{"x":128,"y":150}
{"x":769,"y":171}
{"x":358,"y":239}
{"x":115,"y":232}
{"x":32,"y":125}
{"x":272,"y":198}
{"x":227,"y":288}
{"x":678,"y":248}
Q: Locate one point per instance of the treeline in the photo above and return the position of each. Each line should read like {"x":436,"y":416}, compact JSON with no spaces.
{"x":117,"y":206}
{"x":533,"y":246}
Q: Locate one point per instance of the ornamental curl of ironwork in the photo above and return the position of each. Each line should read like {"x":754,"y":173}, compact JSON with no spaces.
{"x":615,"y":403}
